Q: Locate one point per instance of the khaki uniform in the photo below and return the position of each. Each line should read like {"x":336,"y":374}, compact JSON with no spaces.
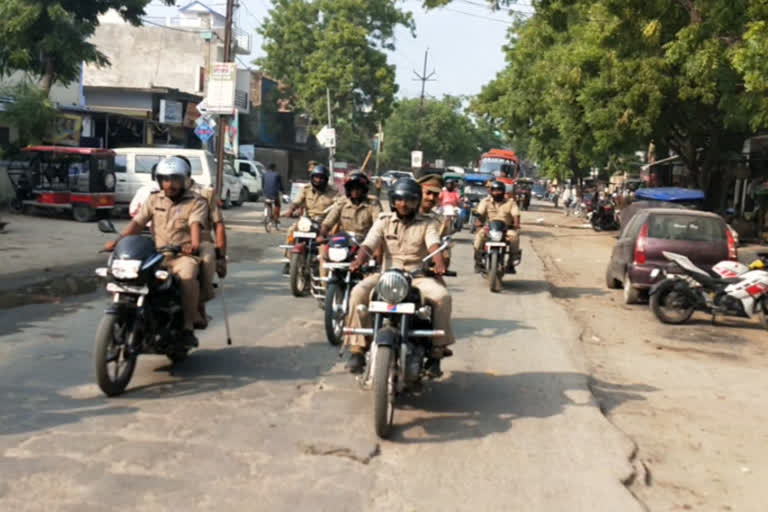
{"x":208,"y":242}
{"x":350,"y":217}
{"x":314,"y":202}
{"x":442,"y":229}
{"x":405,"y":245}
{"x":506,"y":211}
{"x":171,"y":225}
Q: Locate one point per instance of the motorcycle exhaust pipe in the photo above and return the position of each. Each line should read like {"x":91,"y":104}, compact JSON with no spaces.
{"x":423,"y":333}
{"x":362,"y":332}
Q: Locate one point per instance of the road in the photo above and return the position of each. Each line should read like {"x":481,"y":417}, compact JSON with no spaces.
{"x":275,"y":423}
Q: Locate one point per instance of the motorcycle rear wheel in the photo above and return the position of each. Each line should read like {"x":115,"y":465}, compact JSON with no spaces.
{"x":494,"y":279}
{"x":670,"y":306}
{"x":334,"y":326}
{"x":384,"y":379}
{"x":106,"y":351}
{"x":298,"y":276}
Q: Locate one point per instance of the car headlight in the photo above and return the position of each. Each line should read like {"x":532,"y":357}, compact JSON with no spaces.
{"x":125,"y":269}
{"x":496,"y":236}
{"x":393,"y":287}
{"x":305,"y":224}
{"x":337,"y":254}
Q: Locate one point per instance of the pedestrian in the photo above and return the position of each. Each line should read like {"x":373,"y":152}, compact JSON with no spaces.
{"x":567,"y":200}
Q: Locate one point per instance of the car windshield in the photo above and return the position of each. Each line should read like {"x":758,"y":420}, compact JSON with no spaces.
{"x":497,"y":166}
{"x":688,"y":228}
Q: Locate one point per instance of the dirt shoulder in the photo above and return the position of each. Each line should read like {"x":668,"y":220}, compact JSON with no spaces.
{"x":692,"y":397}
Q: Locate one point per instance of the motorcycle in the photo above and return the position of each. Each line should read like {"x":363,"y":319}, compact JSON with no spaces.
{"x":604,"y":218}
{"x":342,"y":250}
{"x":402,"y":332}
{"x":498,"y":257}
{"x":731,"y":289}
{"x":303,"y":262}
{"x":144,"y":315}
{"x":452,"y":217}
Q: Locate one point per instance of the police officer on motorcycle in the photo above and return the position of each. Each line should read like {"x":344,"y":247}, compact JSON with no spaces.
{"x":356,"y":212}
{"x":178,"y":217}
{"x":406,"y":238}
{"x":496,"y":207}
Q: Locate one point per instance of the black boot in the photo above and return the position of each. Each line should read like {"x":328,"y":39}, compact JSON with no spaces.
{"x":356,"y":362}
{"x":189,"y":339}
{"x":479,"y":262}
{"x":433,"y":368}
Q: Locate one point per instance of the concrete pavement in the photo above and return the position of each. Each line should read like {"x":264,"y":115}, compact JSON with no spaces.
{"x":274,"y":422}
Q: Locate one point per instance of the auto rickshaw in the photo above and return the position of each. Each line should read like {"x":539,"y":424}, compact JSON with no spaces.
{"x":58,"y":178}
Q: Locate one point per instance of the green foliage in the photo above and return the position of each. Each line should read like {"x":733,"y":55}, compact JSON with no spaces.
{"x":32,"y":114}
{"x":339,"y":45}
{"x":588,"y":81}
{"x":446,"y":133}
{"x":49,"y":38}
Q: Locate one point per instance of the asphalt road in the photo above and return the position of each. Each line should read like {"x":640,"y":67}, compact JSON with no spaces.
{"x":274,"y":422}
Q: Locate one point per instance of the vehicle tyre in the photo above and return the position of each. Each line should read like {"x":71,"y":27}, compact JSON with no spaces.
{"x":16,"y":205}
{"x":83,"y":213}
{"x":107,"y":352}
{"x":596,"y":226}
{"x":670,"y":305}
{"x":610,"y":282}
{"x":384,"y":379}
{"x":227,"y":201}
{"x":494,"y":279}
{"x":631,"y":294}
{"x":334,"y":325}
{"x":763,"y":313}
{"x":244,"y":196}
{"x":297,"y":275}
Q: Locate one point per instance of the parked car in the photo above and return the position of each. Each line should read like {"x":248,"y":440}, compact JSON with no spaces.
{"x":701,"y":236}
{"x":390,"y":177}
{"x":133,"y":169}
{"x":250,"y":173}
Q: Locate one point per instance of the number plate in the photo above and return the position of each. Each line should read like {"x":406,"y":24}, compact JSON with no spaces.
{"x":304,"y":234}
{"x":407,"y":308}
{"x":495,"y":244}
{"x":120,"y":288}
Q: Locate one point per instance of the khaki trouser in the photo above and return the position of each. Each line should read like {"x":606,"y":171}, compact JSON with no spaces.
{"x":513,"y":238}
{"x":207,"y":271}
{"x":186,"y":268}
{"x":432,"y":292}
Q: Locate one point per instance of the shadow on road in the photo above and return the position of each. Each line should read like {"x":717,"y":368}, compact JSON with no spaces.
{"x":485,"y":327}
{"x":527,"y":286}
{"x":472,"y":405}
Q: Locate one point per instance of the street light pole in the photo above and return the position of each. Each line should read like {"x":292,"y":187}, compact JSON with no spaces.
{"x":222,"y":126}
{"x":332,"y":149}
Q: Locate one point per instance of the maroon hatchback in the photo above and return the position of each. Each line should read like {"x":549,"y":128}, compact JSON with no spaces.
{"x":702,"y":236}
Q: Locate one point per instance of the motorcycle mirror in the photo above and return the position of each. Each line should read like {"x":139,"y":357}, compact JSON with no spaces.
{"x":106,"y":226}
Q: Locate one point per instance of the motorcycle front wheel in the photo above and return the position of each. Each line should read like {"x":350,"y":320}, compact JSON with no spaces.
{"x":384,"y":377}
{"x":113,"y":364}
{"x":671,"y":305}
{"x":298,"y":275}
{"x":494,"y":279}
{"x":334,"y":322}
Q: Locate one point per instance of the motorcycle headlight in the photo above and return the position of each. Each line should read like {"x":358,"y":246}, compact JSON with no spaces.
{"x":125,"y":269}
{"x":337,"y":254}
{"x":305,"y":224}
{"x":392,"y":287}
{"x":496,"y":236}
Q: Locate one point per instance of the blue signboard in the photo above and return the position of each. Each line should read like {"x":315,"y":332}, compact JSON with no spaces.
{"x":204,"y":132}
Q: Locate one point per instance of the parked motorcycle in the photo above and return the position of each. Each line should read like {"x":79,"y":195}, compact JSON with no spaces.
{"x":342,"y":250}
{"x":498,"y":257}
{"x":604,"y":218}
{"x":303,"y":262}
{"x":144,"y":315}
{"x":402,"y":333}
{"x":732,"y":289}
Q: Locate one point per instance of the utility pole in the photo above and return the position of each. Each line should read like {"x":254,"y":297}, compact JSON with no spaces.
{"x":222,"y":126}
{"x":332,"y":149}
{"x":424,"y":77}
{"x":379,"y":141}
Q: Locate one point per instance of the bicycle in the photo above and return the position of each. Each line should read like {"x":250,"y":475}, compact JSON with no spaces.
{"x":270,"y":219}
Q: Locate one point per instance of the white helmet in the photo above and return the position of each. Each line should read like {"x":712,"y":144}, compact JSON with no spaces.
{"x":171,"y":166}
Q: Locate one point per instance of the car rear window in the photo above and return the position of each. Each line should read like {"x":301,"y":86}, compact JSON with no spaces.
{"x":687,"y":228}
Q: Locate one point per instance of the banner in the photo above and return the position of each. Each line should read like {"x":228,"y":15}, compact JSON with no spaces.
{"x":66,"y":130}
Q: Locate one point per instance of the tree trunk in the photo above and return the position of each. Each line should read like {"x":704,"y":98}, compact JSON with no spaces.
{"x":49,"y":75}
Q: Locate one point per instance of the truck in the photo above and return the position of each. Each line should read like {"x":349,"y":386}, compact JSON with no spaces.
{"x":503,"y":165}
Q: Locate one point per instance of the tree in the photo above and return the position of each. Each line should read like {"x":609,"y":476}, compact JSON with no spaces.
{"x":314,"y":46}
{"x":32,"y":113}
{"x":446,"y":133}
{"x":49,"y":38}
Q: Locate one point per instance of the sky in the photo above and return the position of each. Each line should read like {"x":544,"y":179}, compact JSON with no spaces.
{"x":464,"y":40}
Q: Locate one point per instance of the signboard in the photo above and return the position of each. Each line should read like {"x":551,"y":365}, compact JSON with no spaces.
{"x":203,"y":131}
{"x":171,"y":112}
{"x":440,"y":163}
{"x":66,"y":130}
{"x":327,"y":137}
{"x":417,"y":159}
{"x":221,"y":88}
{"x":232,"y":136}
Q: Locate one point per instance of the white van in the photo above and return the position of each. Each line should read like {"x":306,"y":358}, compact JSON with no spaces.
{"x":133,"y":169}
{"x":250,"y":173}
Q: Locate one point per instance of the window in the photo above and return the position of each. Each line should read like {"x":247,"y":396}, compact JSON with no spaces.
{"x":144,"y":163}
{"x":121,"y":163}
{"x":228,"y":169}
{"x":244,"y":167}
{"x":686,"y":228}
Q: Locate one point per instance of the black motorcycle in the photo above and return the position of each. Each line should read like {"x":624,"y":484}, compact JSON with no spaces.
{"x":304,"y":265}
{"x":402,"y":340}
{"x":342,"y":249}
{"x":144,"y":315}
{"x":498,"y":257}
{"x":604,"y":218}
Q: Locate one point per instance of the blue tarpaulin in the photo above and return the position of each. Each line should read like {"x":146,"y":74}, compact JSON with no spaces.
{"x":670,"y":194}
{"x":477,"y":178}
